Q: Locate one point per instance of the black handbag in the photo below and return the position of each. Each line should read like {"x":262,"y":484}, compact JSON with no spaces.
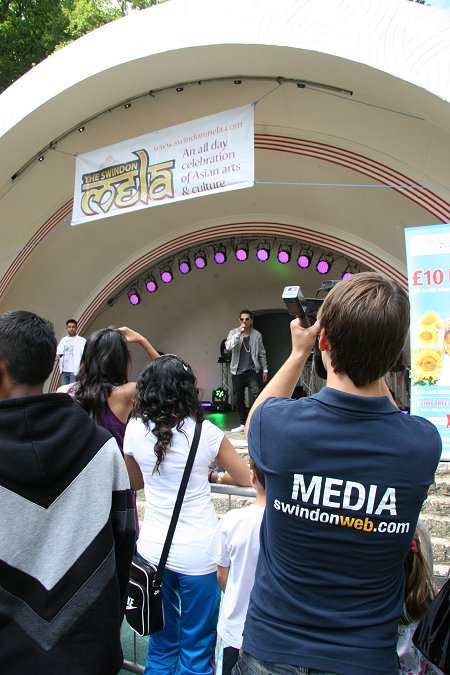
{"x":432,"y":635}
{"x":144,"y":611}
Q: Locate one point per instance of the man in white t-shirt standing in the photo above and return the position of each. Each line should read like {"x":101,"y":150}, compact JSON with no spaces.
{"x":235,"y":548}
{"x":69,"y":352}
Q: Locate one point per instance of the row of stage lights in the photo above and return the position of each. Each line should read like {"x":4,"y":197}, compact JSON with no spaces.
{"x":241,"y":253}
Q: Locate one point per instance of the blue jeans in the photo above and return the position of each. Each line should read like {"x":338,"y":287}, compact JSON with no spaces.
{"x":249,"y":665}
{"x":186,"y":644}
{"x":66,"y":378}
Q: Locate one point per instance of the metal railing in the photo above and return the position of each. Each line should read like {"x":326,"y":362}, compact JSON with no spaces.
{"x":232,"y":491}
{"x":131,"y":666}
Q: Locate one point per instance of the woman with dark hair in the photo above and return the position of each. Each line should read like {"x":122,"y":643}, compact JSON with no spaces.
{"x":101,"y":385}
{"x":156,"y":446}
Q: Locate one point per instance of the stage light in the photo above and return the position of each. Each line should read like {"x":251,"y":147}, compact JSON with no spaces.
{"x":324,"y":264}
{"x":304,"y":257}
{"x":327,"y":286}
{"x":127,"y":106}
{"x":219,"y":395}
{"x":165,"y":274}
{"x":284,"y":253}
{"x":241,"y":252}
{"x":150,"y":284}
{"x":133,"y":296}
{"x":347,"y":273}
{"x":81,"y":129}
{"x":220,"y":400}
{"x":263,"y":251}
{"x":41,"y":158}
{"x":184,"y":264}
{"x":200,"y":259}
{"x":220,"y":254}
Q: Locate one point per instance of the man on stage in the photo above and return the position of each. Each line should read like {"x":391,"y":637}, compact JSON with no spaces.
{"x":248,"y":363}
{"x":69,"y":353}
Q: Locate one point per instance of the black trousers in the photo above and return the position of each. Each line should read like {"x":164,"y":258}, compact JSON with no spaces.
{"x":252,"y":380}
{"x":229,"y":659}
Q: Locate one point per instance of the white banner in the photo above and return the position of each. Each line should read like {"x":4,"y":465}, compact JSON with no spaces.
{"x":201,"y":157}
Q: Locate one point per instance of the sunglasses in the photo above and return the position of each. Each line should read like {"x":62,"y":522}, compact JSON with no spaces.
{"x":247,"y":318}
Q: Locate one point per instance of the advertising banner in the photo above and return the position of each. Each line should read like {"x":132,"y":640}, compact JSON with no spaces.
{"x":197,"y":158}
{"x":428,"y":262}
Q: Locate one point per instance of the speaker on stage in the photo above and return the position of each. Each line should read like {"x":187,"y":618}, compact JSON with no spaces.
{"x":219,"y":400}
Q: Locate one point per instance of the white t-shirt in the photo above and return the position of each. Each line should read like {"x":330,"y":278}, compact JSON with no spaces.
{"x":197,"y":520}
{"x":68,"y":355}
{"x":235,"y":544}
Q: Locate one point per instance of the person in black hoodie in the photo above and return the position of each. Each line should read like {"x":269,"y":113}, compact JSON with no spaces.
{"x":67,"y":525}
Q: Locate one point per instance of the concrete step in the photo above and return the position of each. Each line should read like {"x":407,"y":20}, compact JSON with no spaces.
{"x":436,"y":504}
{"x":436,"y":516}
{"x":442,"y":571}
{"x":443,"y":469}
{"x":438,"y":525}
{"x":441,"y":487}
{"x":441,"y":552}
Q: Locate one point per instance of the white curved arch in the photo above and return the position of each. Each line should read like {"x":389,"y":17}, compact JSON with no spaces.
{"x":392,"y":54}
{"x":391,"y":36}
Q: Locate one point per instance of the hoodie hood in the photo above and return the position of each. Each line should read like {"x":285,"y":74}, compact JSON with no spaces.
{"x":43,"y":440}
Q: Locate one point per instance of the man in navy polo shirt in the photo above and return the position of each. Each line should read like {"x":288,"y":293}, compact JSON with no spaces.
{"x":346,"y":475}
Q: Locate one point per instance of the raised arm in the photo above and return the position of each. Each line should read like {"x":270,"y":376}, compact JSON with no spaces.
{"x":133,"y":337}
{"x":234,"y":336}
{"x":284,"y":381}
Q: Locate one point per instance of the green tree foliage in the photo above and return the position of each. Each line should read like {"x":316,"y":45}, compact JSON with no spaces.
{"x":31,"y":30}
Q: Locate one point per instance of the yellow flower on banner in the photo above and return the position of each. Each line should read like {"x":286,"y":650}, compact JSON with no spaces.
{"x":428,"y":335}
{"x":426,"y":366}
{"x":430,"y":320}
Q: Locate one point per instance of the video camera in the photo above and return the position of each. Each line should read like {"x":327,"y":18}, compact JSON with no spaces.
{"x":306,"y":310}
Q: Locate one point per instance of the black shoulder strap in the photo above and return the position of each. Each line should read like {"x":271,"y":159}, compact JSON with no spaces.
{"x":178,"y":503}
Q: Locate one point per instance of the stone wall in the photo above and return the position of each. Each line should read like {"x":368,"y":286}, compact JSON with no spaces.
{"x":436,"y":515}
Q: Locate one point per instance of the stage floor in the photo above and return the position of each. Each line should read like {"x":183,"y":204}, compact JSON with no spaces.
{"x":226,"y":422}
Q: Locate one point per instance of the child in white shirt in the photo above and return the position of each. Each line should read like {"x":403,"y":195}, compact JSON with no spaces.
{"x":235,"y":548}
